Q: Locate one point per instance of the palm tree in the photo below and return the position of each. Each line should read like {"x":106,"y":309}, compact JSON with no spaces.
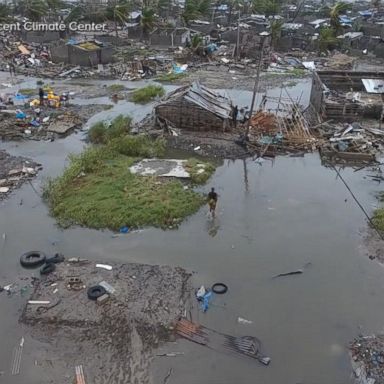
{"x":118,"y":12}
{"x":275,"y":28}
{"x":55,"y":5}
{"x":194,"y":9}
{"x":327,"y":39}
{"x":4,"y":13}
{"x":77,"y":13}
{"x":335,"y":12}
{"x":34,"y":10}
{"x":147,"y":20}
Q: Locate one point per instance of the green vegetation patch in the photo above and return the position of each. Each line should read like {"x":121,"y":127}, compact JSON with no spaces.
{"x":101,"y":133}
{"x":97,"y":189}
{"x":28,"y":91}
{"x":378,"y":215}
{"x":200,"y":171}
{"x":110,"y":196}
{"x":171,"y":77}
{"x":116,"y":88}
{"x":147,"y":94}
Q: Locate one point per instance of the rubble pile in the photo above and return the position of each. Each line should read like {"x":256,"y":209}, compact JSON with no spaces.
{"x":14,"y":171}
{"x":351,"y":142}
{"x":367,"y":354}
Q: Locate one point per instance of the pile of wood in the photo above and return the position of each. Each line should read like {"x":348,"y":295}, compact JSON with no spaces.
{"x":287,"y":127}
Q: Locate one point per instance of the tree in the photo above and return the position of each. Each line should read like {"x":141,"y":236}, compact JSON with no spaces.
{"x":267,"y":7}
{"x":376,"y":4}
{"x":118,"y":13}
{"x":55,"y":5}
{"x":148,"y":19}
{"x":327,"y":39}
{"x":275,"y":29}
{"x":34,"y":10}
{"x":335,"y":12}
{"x":77,"y":13}
{"x":4,"y":13}
{"x":194,"y":9}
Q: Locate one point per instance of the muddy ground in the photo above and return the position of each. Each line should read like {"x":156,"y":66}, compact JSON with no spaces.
{"x":14,"y":171}
{"x":113,"y":340}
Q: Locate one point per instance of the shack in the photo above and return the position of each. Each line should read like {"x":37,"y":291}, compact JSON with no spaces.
{"x":347,"y":95}
{"x":195,"y":108}
{"x":86,"y":53}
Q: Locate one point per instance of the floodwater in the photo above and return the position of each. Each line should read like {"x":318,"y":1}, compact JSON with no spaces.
{"x":273,"y":217}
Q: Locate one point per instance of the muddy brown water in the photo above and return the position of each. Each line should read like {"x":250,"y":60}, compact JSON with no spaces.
{"x":272,"y":217}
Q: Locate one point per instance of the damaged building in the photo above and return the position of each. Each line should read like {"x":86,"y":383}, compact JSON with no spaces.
{"x":195,"y":108}
{"x":347,"y":95}
{"x":86,"y":53}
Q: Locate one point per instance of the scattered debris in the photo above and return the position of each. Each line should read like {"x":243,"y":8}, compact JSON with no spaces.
{"x":80,"y":379}
{"x":14,"y":171}
{"x":244,"y":321}
{"x":17,"y":358}
{"x":245,"y":345}
{"x":297,"y":272}
{"x":367,"y":359}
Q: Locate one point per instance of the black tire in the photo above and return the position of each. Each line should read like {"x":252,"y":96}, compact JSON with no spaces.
{"x":47,"y":268}
{"x":219,"y":288}
{"x":57,"y":258}
{"x":95,"y":292}
{"x":32,"y":259}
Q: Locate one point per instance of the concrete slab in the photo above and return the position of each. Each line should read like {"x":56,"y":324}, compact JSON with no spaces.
{"x":161,"y":168}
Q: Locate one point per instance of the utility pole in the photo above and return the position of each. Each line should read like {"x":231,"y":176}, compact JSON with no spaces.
{"x":238,"y":37}
{"x":256,"y":86}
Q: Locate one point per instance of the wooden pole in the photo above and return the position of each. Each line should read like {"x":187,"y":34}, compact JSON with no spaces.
{"x":256,"y":86}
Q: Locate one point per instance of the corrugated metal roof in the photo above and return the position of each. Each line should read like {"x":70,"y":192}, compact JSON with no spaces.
{"x":373,"y":85}
{"x":212,"y":101}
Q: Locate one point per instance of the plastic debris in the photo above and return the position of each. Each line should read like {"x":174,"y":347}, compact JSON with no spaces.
{"x":38,"y":302}
{"x":104,"y":266}
{"x":244,"y":321}
{"x":124,"y":230}
{"x":107,"y":287}
{"x":17,"y":357}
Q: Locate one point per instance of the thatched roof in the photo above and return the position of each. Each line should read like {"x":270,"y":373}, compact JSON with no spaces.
{"x":214,"y":102}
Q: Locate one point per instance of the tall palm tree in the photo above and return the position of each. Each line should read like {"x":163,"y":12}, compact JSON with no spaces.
{"x":4,"y":13}
{"x":335,"y":12}
{"x":55,"y":5}
{"x":35,"y":10}
{"x":118,"y":12}
{"x":327,"y":39}
{"x":194,"y":9}
{"x":275,"y":28}
{"x":148,"y":19}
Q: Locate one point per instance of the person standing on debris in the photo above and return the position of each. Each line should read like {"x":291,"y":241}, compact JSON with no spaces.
{"x":212,"y":201}
{"x":41,"y":96}
{"x":235,"y":112}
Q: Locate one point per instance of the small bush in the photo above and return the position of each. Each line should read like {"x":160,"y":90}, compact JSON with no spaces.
{"x":148,"y":93}
{"x":116,"y":88}
{"x":96,"y":133}
{"x":200,"y":171}
{"x":99,"y":133}
{"x":138,"y":146}
{"x":28,"y":91}
{"x":171,"y":77}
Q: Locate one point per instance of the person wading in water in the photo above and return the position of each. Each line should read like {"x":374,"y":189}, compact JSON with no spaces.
{"x":212,"y":201}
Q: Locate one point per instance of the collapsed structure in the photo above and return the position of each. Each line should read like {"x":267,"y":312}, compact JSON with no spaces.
{"x":347,"y":96}
{"x":195,"y":108}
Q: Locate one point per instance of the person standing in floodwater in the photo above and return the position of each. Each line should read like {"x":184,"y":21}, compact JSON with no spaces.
{"x":41,"y":96}
{"x":212,"y":201}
